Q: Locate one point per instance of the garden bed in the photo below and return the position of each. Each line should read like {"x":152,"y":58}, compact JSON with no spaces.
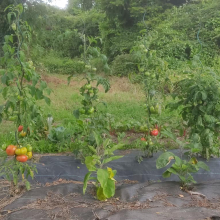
{"x":141,"y":193}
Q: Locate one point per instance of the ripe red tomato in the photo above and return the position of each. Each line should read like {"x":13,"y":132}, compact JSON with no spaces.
{"x":155,"y":132}
{"x":143,"y":139}
{"x":22,"y":158}
{"x":10,"y":150}
{"x":20,"y":128}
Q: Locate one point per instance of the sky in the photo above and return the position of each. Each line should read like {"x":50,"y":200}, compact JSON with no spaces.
{"x":59,"y":3}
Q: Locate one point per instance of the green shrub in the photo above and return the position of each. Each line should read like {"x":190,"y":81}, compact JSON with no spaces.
{"x":123,"y":65}
{"x":63,"y":65}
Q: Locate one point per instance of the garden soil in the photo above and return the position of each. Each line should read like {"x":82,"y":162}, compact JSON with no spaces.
{"x":141,"y":193}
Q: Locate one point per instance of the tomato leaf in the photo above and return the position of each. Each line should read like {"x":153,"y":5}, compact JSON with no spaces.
{"x":27,"y":184}
{"x":90,"y":163}
{"x":111,"y":159}
{"x":167,"y":174}
{"x":86,"y":179}
{"x":164,"y":159}
{"x":202,"y":165}
{"x":100,"y":194}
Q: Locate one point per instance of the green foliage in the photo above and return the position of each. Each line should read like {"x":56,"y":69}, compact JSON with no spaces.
{"x":57,"y":30}
{"x":170,"y":31}
{"x":199,"y":96}
{"x":80,"y":5}
{"x":90,"y":94}
{"x":126,"y":12}
{"x":117,"y":40}
{"x":94,"y":120}
{"x":68,"y":66}
{"x":123,"y":65}
{"x":22,"y":86}
{"x":102,"y":154}
{"x":176,"y":41}
{"x":182,"y":168}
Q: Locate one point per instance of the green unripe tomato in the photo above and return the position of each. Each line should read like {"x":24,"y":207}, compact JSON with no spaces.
{"x":153,"y":76}
{"x":151,"y":143}
{"x":82,"y":111}
{"x":91,"y":110}
{"x":147,"y":74}
{"x":157,"y":108}
{"x":146,"y":51}
{"x":88,"y":86}
{"x":20,"y":98}
{"x":30,"y":62}
{"x":141,"y":69}
{"x":14,"y":27}
{"x":143,"y":128}
{"x":29,"y":148}
{"x":4,"y":146}
{"x":142,"y":46}
{"x":81,"y":62}
{"x":152,"y":109}
{"x":88,"y":67}
{"x":94,"y":69}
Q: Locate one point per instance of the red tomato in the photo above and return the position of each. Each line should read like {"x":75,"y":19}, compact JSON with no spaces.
{"x":143,"y":139}
{"x":155,"y":132}
{"x":22,"y":158}
{"x":20,"y":128}
{"x":10,"y":150}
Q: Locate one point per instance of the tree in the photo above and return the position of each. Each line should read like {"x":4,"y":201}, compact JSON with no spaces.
{"x":84,"y":5}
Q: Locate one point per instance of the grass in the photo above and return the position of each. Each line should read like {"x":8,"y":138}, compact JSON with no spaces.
{"x":124,"y":100}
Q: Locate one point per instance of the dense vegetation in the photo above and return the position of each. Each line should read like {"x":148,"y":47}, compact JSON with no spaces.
{"x":169,"y":29}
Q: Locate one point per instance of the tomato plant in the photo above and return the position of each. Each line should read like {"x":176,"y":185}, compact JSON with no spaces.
{"x":14,"y":169}
{"x":182,"y":168}
{"x":22,"y":87}
{"x":102,"y":154}
{"x":152,"y":74}
{"x":88,"y":115}
{"x":199,"y":98}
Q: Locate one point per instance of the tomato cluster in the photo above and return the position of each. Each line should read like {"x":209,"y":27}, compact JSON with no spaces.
{"x":90,"y":94}
{"x":154,"y":109}
{"x":21,"y":131}
{"x":22,"y":154}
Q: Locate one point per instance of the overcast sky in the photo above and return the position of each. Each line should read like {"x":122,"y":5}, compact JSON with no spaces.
{"x":59,"y":3}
